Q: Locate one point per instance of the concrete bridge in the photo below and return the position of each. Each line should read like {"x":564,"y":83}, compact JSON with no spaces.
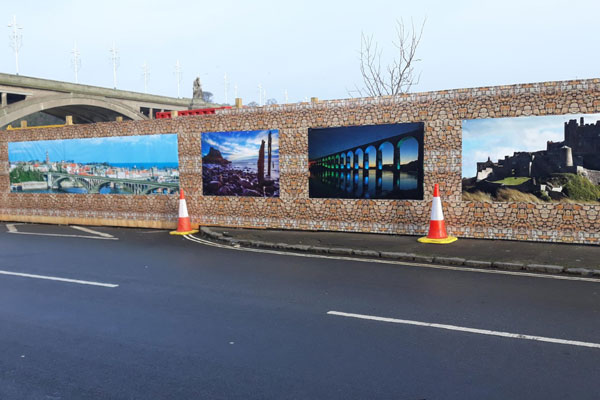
{"x":93,"y":184}
{"x":23,"y":96}
{"x":350,"y":159}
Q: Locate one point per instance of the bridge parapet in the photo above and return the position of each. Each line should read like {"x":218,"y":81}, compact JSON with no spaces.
{"x":93,"y":184}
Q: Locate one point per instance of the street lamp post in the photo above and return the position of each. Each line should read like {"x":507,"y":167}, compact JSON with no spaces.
{"x":114,"y":56}
{"x":76,"y":61}
{"x":16,"y":40}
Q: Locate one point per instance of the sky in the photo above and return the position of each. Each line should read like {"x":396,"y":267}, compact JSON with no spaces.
{"x":500,"y":137}
{"x":241,"y":146}
{"x":118,"y":149}
{"x":325,"y":141}
{"x":308,"y":48}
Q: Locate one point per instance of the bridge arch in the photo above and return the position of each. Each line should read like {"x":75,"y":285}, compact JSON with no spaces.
{"x":97,"y":188}
{"x":408,"y":149}
{"x":370,"y":157}
{"x":350,"y":160}
{"x":89,"y":106}
{"x":56,"y":182}
{"x":359,"y":155}
{"x":385,"y":155}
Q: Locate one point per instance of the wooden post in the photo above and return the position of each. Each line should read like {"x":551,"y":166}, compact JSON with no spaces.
{"x":23,"y":124}
{"x":174,"y":114}
{"x":314,"y":99}
{"x":119,"y":119}
{"x":238,"y":102}
{"x":69,"y":120}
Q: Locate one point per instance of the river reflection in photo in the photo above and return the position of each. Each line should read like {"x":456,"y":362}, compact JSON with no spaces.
{"x":366,"y":162}
{"x":367,"y":184}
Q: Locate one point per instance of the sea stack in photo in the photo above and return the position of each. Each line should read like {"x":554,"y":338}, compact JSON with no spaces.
{"x":269,"y":156}
{"x":261,"y":162}
{"x":214,"y":156}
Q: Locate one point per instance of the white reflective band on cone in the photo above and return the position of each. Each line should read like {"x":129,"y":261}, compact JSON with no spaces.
{"x":436,"y":210}
{"x":182,"y":209}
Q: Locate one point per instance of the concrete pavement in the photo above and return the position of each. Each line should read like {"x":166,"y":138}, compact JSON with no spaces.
{"x":193,"y":320}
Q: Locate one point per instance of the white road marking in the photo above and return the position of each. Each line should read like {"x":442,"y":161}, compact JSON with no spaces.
{"x":55,"y":278}
{"x":468,"y":330}
{"x":102,"y":236}
{"x":93,"y":232}
{"x":61,"y":235}
{"x":393,"y":262}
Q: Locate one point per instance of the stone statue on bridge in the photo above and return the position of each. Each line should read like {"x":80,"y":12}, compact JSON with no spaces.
{"x":198,"y":94}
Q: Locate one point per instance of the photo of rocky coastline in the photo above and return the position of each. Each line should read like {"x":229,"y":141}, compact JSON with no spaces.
{"x":244,"y":163}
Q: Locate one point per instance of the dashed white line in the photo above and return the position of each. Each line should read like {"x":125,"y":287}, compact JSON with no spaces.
{"x":56,"y":278}
{"x":382,"y":261}
{"x":93,"y":232}
{"x":468,"y":330}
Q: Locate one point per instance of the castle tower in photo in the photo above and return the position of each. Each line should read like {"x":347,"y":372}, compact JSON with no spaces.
{"x":578,"y":153}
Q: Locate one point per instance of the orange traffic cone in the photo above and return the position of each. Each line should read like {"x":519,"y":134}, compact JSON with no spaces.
{"x":437,"y":228}
{"x":184,"y":226}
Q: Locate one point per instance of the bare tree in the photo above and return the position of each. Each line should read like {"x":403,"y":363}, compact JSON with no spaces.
{"x":398,"y":76}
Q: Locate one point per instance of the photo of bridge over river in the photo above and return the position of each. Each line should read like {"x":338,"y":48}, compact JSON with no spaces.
{"x":366,"y":162}
{"x":141,"y":164}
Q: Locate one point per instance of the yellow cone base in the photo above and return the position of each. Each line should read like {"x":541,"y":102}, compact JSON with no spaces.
{"x":446,"y":240}
{"x":184,"y":233}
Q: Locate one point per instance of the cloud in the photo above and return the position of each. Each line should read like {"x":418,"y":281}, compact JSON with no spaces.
{"x":239,"y":146}
{"x":500,"y":137}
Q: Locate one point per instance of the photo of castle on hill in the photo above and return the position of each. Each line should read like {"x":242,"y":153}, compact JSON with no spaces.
{"x":532,"y":159}
{"x":244,"y":163}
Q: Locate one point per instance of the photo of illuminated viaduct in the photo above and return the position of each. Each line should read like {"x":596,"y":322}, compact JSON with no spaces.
{"x":376,"y":161}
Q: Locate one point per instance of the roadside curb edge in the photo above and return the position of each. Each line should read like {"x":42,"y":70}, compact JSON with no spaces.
{"x":455,"y":261}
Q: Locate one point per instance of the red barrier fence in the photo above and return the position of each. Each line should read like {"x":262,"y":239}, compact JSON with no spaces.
{"x":184,"y":113}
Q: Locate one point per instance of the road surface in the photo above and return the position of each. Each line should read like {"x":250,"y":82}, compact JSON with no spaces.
{"x":114,"y":313}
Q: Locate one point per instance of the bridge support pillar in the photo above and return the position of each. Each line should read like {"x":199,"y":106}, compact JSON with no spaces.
{"x":151,"y":113}
{"x":4,"y":100}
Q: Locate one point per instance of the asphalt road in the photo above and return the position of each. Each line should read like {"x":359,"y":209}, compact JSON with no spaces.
{"x":191,"y":321}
